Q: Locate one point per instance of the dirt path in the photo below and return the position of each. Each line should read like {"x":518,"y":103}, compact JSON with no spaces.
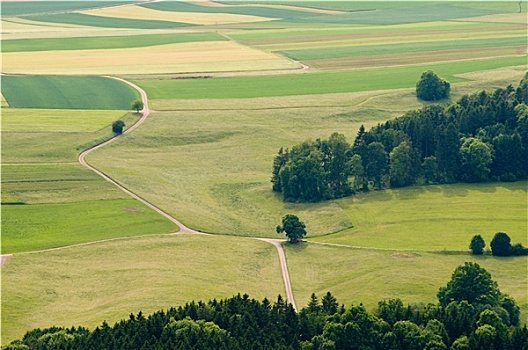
{"x":183,"y":229}
{"x":284,"y":267}
{"x":82,"y":159}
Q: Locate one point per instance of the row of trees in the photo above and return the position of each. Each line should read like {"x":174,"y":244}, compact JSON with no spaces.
{"x":482,"y":137}
{"x":471,"y":314}
{"x":500,"y":246}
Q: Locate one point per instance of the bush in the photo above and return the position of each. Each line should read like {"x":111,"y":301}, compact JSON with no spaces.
{"x":117,"y":126}
{"x":500,"y":244}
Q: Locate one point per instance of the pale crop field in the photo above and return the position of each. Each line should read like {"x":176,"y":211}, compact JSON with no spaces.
{"x":108,"y":281}
{"x":138,"y":12}
{"x":215,"y":56}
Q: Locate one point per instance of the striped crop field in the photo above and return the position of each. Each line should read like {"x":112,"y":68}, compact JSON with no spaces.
{"x":105,"y":42}
{"x":142,"y":13}
{"x":317,"y":83}
{"x":105,"y":22}
{"x":34,"y":7}
{"x":77,"y":92}
{"x":213,"y":56}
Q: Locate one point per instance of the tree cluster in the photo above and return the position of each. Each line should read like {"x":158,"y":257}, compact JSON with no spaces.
{"x":431,"y":87}
{"x":472,"y":314}
{"x":500,"y":246}
{"x":313,"y":171}
{"x":482,"y":137}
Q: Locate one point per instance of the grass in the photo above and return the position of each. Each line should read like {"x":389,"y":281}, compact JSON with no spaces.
{"x":67,"y":92}
{"x":105,"y":22}
{"x":108,"y":42}
{"x":224,"y":193}
{"x":434,"y":217}
{"x":107,"y":281}
{"x":37,"y":226}
{"x":413,"y":47}
{"x":367,"y":276}
{"x":48,"y":199}
{"x":228,"y":191}
{"x":316,"y":83}
{"x":53,"y":120}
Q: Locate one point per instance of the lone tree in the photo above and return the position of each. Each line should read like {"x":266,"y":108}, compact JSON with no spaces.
{"x":137,"y":105}
{"x":477,"y":245}
{"x":294,"y":228}
{"x":117,"y":126}
{"x":501,"y":244}
{"x":431,"y":87}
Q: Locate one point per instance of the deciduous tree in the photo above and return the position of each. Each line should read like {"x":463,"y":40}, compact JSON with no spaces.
{"x":293,"y":227}
{"x":117,"y":126}
{"x":431,"y":87}
{"x":472,"y":283}
{"x":137,"y":105}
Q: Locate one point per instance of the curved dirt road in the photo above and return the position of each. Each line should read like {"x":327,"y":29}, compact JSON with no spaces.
{"x":183,"y":229}
{"x":82,"y":160}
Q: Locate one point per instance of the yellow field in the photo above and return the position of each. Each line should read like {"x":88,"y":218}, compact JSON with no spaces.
{"x":137,"y":12}
{"x":219,"y":56}
{"x":519,"y":18}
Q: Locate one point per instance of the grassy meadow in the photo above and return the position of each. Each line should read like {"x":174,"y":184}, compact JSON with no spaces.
{"x":48,"y":199}
{"x":87,"y":285}
{"x":367,"y":276}
{"x":229,"y":86}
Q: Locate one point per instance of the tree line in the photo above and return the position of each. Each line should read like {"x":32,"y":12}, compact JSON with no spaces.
{"x":482,"y":137}
{"x":471,"y":314}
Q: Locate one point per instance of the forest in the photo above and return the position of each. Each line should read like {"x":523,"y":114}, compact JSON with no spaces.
{"x":471,"y":314}
{"x":482,"y":137}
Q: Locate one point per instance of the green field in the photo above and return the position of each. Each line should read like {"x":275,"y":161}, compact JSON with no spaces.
{"x":33,"y":7}
{"x":435,"y":217}
{"x":37,"y":226}
{"x":367,"y":276}
{"x":108,"y":281}
{"x":68,"y":92}
{"x":106,"y":22}
{"x":315,"y":83}
{"x":205,"y":154}
{"x":384,"y":49}
{"x":232,"y":194}
{"x":108,"y":42}
{"x":57,"y":120}
{"x":48,"y":199}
